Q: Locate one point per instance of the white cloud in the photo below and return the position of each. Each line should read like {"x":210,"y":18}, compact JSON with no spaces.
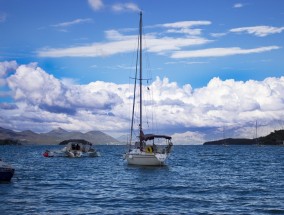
{"x":186,"y":31}
{"x":184,"y":24}
{"x":238,"y":5}
{"x":5,"y":68}
{"x":160,"y":45}
{"x":123,"y":7}
{"x":218,"y":34}
{"x":260,"y":31}
{"x":74,"y":22}
{"x":43,"y":102}
{"x":32,"y":85}
{"x":69,"y":81}
{"x":96,"y":4}
{"x":119,"y":43}
{"x":187,"y":62}
{"x":221,"y":52}
{"x":189,"y":137}
{"x":94,"y":50}
{"x":184,"y":27}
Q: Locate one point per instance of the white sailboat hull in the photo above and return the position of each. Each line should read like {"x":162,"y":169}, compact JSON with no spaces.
{"x":145,"y":159}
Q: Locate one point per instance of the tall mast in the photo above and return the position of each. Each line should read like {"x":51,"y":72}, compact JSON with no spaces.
{"x":140,"y":78}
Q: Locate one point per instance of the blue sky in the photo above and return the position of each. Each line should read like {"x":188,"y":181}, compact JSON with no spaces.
{"x":215,"y":64}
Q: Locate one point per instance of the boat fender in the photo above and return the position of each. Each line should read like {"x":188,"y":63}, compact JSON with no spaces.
{"x":149,"y":149}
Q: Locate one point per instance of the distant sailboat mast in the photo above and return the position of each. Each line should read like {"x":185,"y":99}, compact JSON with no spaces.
{"x":256,"y":129}
{"x":256,"y":132}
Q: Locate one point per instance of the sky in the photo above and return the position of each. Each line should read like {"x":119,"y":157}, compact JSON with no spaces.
{"x":216,"y":66}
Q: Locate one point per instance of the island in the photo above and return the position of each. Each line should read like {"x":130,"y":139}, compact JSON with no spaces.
{"x":274,"y":138}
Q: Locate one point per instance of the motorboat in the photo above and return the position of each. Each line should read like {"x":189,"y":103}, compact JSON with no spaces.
{"x":6,"y":171}
{"x":74,"y":148}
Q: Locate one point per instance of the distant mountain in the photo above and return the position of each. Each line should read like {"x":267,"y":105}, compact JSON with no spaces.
{"x":274,"y":138}
{"x":57,"y":132}
{"x":123,"y":138}
{"x":54,"y":137}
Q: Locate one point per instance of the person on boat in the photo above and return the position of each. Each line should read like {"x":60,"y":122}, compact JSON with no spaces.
{"x":154,"y":147}
{"x":46,"y":153}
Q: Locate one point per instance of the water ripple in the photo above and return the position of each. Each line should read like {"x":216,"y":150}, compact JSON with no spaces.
{"x":197,"y":180}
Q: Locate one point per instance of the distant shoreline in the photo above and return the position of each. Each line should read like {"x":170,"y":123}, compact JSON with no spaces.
{"x":9,"y":141}
{"x":274,"y":138}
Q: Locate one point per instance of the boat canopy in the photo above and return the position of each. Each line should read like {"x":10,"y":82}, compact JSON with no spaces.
{"x":74,"y":141}
{"x":153,"y":136}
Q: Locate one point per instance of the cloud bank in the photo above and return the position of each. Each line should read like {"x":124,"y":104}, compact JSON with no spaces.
{"x":42,"y":102}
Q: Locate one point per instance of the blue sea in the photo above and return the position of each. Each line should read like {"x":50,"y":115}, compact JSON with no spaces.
{"x":196,"y":180}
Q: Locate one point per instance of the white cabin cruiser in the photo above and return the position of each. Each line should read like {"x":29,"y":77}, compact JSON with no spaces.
{"x":74,"y":148}
{"x":80,"y":149}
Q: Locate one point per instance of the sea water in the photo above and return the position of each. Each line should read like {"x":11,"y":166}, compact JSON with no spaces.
{"x":196,"y":180}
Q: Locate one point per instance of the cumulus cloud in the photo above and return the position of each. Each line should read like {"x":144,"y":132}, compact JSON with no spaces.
{"x":96,"y":4}
{"x":189,"y":137}
{"x":5,"y":68}
{"x":41,"y":101}
{"x":8,"y":106}
{"x":221,"y":52}
{"x":33,"y":86}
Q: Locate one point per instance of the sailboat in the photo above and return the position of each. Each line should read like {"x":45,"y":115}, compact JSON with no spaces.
{"x":148,"y":149}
